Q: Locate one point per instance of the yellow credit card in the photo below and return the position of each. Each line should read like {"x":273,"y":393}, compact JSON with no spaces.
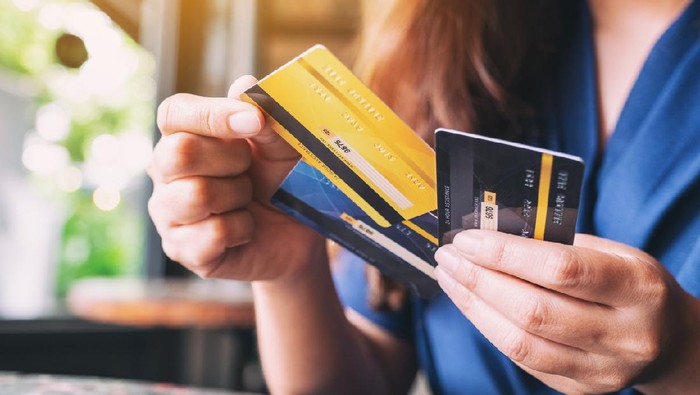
{"x":346,"y":132}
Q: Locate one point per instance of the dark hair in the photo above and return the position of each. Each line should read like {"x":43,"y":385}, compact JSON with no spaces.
{"x":465,"y":64}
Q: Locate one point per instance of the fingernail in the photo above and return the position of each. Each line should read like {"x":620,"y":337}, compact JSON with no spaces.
{"x":447,"y":259}
{"x":468,"y":242}
{"x":244,"y":123}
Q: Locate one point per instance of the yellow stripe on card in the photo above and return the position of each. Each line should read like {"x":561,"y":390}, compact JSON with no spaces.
{"x":421,"y":231}
{"x":543,"y":195}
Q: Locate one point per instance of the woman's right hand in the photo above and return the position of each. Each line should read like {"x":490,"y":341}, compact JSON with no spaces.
{"x":214,"y":171}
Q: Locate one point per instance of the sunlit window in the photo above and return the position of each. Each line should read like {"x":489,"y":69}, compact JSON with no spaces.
{"x":76,"y":116}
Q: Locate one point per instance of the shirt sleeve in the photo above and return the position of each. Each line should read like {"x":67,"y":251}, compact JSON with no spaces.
{"x":351,"y":284}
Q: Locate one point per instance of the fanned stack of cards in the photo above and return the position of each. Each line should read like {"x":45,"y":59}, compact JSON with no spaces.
{"x":368,"y":182}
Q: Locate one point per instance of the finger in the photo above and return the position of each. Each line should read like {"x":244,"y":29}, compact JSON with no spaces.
{"x":182,"y":155}
{"x":517,"y":344}
{"x":190,"y":200}
{"x":542,"y":312}
{"x":579,"y":272}
{"x":211,"y":117}
{"x":202,"y":246}
{"x":274,"y":156}
{"x":240,"y":85}
{"x":270,"y":145}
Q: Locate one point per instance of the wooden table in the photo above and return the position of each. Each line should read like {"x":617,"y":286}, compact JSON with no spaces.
{"x":171,"y":303}
{"x":218,"y":317}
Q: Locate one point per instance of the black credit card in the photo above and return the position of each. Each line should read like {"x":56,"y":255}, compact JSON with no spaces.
{"x":486,"y":183}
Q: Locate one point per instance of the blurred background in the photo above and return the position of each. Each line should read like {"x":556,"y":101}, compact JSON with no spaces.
{"x":84,"y":286}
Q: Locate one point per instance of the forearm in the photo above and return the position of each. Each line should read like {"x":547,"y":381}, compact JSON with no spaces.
{"x":307,"y":344}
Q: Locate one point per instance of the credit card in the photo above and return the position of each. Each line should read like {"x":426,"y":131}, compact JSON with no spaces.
{"x":347,"y":133}
{"x":404,"y":251}
{"x":486,"y":183}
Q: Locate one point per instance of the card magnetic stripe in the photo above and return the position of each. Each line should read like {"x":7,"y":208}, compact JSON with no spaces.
{"x":325,"y":155}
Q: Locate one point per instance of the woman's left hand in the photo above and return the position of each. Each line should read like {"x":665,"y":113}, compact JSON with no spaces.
{"x":597,"y":317}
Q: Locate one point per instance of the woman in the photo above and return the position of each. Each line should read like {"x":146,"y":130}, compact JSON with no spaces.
{"x":611,"y":81}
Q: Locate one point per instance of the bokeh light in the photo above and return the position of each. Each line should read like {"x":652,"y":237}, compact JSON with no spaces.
{"x":26,"y":5}
{"x":69,"y":179}
{"x":106,"y":198}
{"x":105,"y":148}
{"x":45,"y":158}
{"x":53,"y":122}
{"x":91,"y":131}
{"x":115,"y":78}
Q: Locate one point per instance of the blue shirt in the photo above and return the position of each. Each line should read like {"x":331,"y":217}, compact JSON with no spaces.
{"x":643,"y":190}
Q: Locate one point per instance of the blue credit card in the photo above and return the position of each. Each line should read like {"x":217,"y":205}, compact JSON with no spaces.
{"x":404,"y":251}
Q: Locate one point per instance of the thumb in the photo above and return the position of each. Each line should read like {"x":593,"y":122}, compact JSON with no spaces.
{"x":273,"y":158}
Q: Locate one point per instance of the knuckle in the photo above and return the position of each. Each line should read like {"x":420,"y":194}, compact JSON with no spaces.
{"x":203,"y":274}
{"x":182,"y":153}
{"x":468,"y":274}
{"x":534,"y":315}
{"x":171,"y":251}
{"x":201,"y":268}
{"x":615,"y":381}
{"x":461,"y":297}
{"x":158,"y":216}
{"x":569,"y":272}
{"x":465,"y":300}
{"x":201,"y":261}
{"x":211,"y":252}
{"x":152,"y":207}
{"x":217,"y":232}
{"x":517,"y":347}
{"x":183,"y":144}
{"x":656,"y":288}
{"x":152,"y":169}
{"x":155,"y":166}
{"x":207,"y":271}
{"x":197,"y":192}
{"x":648,"y":348}
{"x":197,"y":264}
{"x":211,"y":270}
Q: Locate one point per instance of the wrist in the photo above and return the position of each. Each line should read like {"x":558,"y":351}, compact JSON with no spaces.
{"x":308,"y":266}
